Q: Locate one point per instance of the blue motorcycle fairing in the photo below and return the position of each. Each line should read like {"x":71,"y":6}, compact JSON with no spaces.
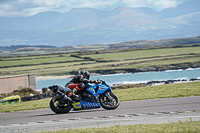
{"x":85,"y":105}
{"x":91,"y":89}
{"x":102,"y":88}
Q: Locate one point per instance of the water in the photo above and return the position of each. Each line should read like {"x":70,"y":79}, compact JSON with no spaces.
{"x":130,"y":78}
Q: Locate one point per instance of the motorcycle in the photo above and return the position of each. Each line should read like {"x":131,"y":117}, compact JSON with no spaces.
{"x":94,"y":96}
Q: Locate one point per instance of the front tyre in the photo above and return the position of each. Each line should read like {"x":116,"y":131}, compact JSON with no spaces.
{"x":109,"y":101}
{"x":60,"y":107}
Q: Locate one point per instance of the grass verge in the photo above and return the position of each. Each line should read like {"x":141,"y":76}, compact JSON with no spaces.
{"x":178,"y":127}
{"x":160,"y":91}
{"x":137,"y":93}
{"x":29,"y":105}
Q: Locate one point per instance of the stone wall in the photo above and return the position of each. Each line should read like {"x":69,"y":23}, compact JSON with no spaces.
{"x":10,"y":83}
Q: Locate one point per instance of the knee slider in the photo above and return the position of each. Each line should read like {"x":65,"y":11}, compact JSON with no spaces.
{"x":81,"y":86}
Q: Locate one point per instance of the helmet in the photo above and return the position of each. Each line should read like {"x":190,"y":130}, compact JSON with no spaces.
{"x":85,"y":74}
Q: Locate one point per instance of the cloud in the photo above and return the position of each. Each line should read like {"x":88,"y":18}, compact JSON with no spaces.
{"x":20,"y":8}
{"x":162,"y":4}
{"x":154,"y":4}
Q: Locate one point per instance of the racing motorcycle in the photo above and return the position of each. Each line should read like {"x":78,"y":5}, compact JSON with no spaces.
{"x":94,"y":96}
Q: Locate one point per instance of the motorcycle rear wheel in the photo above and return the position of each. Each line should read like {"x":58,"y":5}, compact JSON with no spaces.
{"x":109,"y":104}
{"x":60,"y":108}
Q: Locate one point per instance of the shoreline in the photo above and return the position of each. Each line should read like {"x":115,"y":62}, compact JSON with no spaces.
{"x":95,"y":74}
{"x":52,"y":77}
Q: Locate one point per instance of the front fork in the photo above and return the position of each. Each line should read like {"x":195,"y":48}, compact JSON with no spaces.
{"x":107,"y":94}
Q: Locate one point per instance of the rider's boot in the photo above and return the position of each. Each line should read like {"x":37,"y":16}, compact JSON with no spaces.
{"x":74,"y":96}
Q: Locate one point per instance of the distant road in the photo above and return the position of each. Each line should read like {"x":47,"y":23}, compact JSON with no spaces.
{"x":131,"y":109}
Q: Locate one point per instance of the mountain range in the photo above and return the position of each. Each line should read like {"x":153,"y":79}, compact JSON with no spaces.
{"x":91,"y":26}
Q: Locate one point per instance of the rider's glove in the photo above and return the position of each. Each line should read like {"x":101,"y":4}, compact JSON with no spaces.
{"x":97,"y":82}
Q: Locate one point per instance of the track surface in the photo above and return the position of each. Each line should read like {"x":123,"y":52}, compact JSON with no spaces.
{"x":145,"y":108}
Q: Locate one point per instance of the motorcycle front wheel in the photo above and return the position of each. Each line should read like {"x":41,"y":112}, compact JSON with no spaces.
{"x":109,"y":101}
{"x":60,"y":107}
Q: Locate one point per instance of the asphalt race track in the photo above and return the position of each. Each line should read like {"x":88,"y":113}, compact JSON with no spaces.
{"x":129,"y":113}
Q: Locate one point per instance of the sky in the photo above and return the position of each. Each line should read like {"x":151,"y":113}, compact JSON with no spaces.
{"x":25,"y":8}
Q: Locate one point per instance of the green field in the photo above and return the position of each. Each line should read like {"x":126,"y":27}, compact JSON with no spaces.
{"x":104,"y":62}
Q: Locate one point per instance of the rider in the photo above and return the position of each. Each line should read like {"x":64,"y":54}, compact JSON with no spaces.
{"x":77,"y":84}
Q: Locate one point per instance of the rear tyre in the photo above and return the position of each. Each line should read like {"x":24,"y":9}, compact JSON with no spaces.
{"x":60,"y":107}
{"x":109,"y":101}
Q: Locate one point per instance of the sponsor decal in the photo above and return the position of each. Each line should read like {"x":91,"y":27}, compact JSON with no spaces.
{"x":90,"y":89}
{"x":101,"y":88}
{"x":77,"y":105}
{"x":80,"y":105}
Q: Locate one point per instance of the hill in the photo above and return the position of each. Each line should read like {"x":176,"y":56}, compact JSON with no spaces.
{"x":91,"y":26}
{"x":44,"y":49}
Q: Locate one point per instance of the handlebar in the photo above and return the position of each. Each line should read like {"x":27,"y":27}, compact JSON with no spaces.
{"x":102,"y":81}
{"x":99,"y":79}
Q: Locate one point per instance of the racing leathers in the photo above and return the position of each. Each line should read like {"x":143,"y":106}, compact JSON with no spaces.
{"x":77,"y":85}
